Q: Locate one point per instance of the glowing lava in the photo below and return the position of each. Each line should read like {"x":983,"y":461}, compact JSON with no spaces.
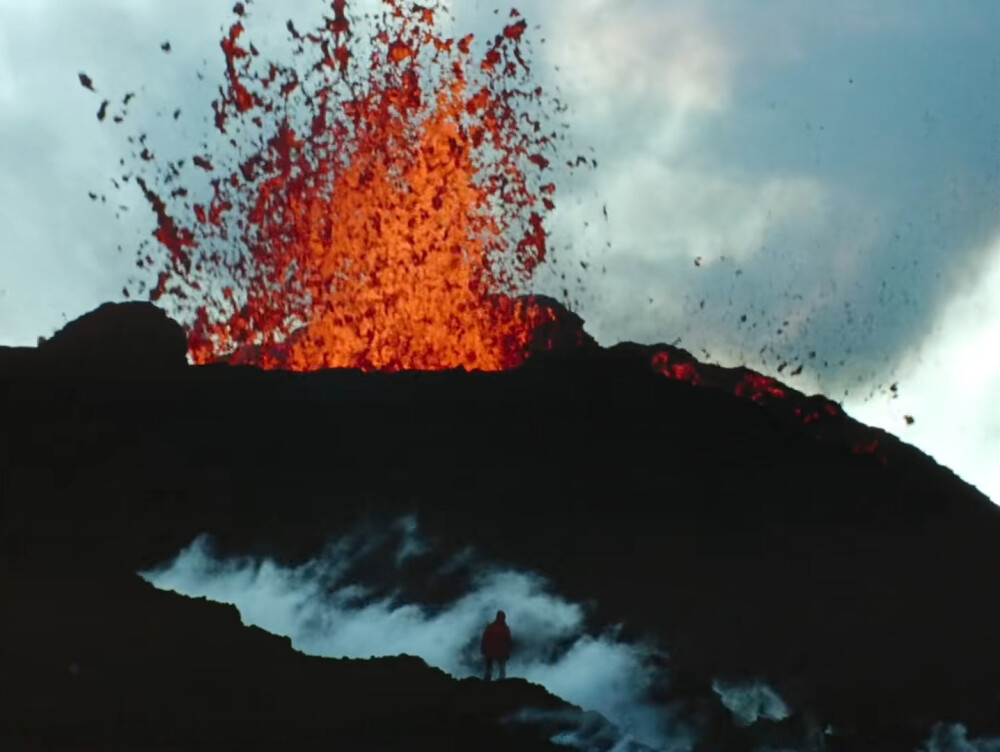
{"x":390,"y":213}
{"x":821,"y":419}
{"x":394,"y":228}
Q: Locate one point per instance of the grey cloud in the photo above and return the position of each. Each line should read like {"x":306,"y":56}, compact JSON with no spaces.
{"x":894,"y":123}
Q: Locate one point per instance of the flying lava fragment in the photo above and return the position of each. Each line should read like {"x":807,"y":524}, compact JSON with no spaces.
{"x":390,"y":213}
{"x":383,"y":208}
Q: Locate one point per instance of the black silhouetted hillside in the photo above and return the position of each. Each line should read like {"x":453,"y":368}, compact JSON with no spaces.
{"x":859,"y":578}
{"x":95,"y":660}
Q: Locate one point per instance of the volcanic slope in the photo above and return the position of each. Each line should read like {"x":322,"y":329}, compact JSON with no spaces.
{"x":848,"y":569}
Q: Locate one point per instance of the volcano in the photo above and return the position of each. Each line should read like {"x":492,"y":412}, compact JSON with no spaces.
{"x":342,"y":329}
{"x":849,"y":570}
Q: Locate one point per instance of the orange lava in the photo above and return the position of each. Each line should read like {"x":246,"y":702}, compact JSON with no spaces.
{"x":681,"y":371}
{"x":754,"y":386}
{"x":821,"y":419}
{"x":395,"y":228}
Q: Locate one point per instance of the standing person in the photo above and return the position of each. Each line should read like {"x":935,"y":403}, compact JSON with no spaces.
{"x":495,"y":646}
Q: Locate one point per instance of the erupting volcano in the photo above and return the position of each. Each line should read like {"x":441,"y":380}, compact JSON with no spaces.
{"x":397,"y":226}
{"x":380,"y":202}
{"x":390,"y":214}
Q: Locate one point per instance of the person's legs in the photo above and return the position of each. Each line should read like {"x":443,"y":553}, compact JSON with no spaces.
{"x":503,"y":668}
{"x":488,"y":673}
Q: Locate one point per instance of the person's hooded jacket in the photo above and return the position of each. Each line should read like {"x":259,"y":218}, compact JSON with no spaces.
{"x":496,"y":638}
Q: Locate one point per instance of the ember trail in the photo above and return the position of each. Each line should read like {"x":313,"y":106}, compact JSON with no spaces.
{"x":398,"y":228}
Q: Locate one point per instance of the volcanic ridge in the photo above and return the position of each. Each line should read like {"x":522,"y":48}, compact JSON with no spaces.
{"x":751,"y":531}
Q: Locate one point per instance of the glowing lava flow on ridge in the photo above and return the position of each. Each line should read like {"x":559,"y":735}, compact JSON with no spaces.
{"x":397,"y":229}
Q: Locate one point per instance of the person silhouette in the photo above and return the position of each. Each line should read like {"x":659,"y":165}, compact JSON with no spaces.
{"x":495,"y":646}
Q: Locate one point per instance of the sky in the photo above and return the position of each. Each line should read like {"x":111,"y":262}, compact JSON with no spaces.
{"x":781,"y":179}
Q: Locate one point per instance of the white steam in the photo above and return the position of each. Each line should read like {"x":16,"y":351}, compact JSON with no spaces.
{"x":749,"y":702}
{"x":954,"y":737}
{"x":326,"y":612}
{"x":389,"y":591}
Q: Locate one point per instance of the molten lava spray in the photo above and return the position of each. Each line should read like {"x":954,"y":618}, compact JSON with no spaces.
{"x":393,"y":229}
{"x":389,"y":214}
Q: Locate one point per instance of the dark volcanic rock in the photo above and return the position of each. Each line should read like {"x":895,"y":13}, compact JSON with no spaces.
{"x":859,"y":579}
{"x":101,"y":660}
{"x":563,"y":334}
{"x":119,"y":336}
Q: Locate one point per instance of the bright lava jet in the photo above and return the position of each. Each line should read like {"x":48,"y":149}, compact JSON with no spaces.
{"x":396,"y":227}
{"x":381,"y":204}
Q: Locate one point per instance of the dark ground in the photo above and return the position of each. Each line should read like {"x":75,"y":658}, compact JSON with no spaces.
{"x":861,"y":582}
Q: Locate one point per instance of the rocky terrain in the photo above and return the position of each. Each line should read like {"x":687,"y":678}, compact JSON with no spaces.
{"x":750,"y":530}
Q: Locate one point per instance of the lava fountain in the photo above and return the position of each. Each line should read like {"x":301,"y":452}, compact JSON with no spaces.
{"x":397,"y":227}
{"x":390,"y":213}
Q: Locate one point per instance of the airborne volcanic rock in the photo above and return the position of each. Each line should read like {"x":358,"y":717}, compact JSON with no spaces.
{"x":749,"y":530}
